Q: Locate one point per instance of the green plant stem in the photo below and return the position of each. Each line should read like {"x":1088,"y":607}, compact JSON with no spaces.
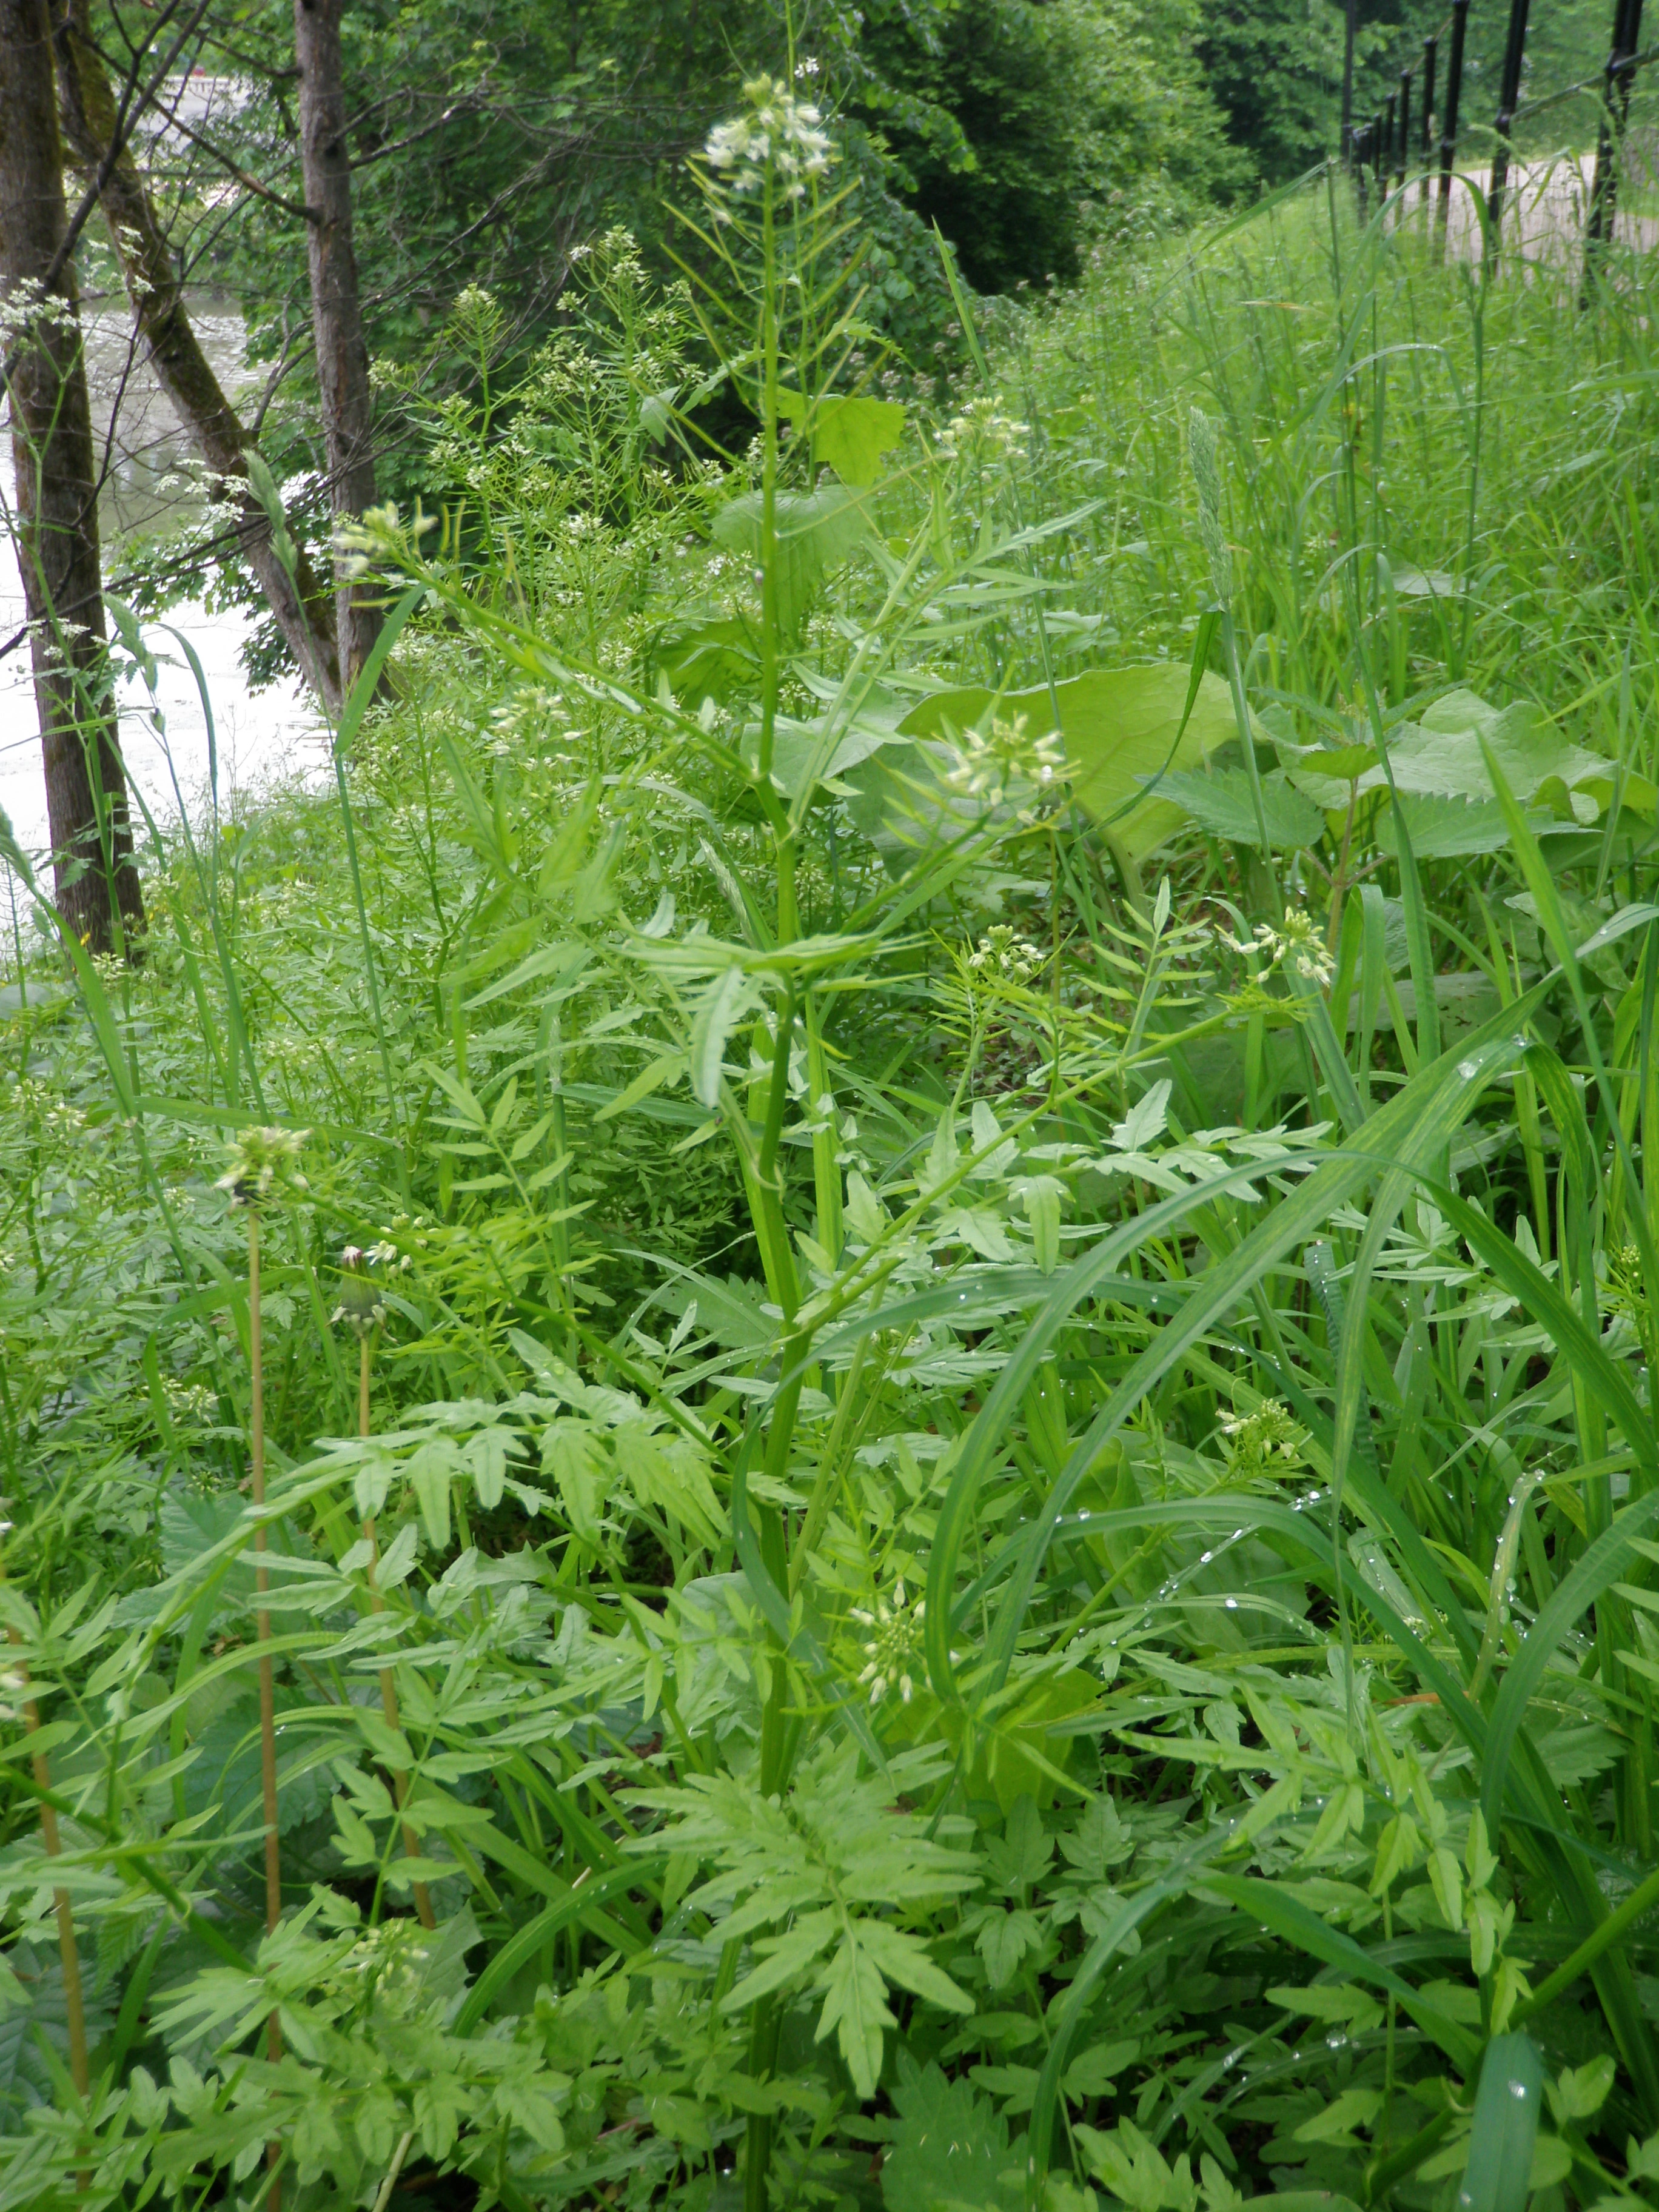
{"x":74,"y":2014}
{"x":261,"y":1621}
{"x":1381,"y":2177}
{"x":1641,"y":1899}
{"x":388,"y":1685}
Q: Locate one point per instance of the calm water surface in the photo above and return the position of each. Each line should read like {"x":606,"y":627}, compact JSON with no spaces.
{"x":259,"y":736}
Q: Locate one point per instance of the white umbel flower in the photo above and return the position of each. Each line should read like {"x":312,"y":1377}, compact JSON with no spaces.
{"x":894,"y":1651}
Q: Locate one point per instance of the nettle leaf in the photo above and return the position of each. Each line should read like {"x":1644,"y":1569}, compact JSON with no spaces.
{"x":1119,"y":727}
{"x":1222,"y":804}
{"x":951,"y":2145}
{"x":849,"y":436}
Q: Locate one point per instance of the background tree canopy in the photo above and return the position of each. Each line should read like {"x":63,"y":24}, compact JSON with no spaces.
{"x":493,"y":140}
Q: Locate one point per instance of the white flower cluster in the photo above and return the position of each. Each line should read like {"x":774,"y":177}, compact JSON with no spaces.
{"x":362,"y":1306}
{"x":1003,"y":951}
{"x":983,"y":433}
{"x":1298,"y":945}
{"x":988,"y":762}
{"x":780,"y":134}
{"x":895,"y":1651}
{"x":1254,"y":1440}
{"x":261,"y":1161}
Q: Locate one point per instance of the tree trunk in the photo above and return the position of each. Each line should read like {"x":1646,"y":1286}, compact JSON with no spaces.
{"x":301,"y":603}
{"x":335,"y":309}
{"x":96,"y":881}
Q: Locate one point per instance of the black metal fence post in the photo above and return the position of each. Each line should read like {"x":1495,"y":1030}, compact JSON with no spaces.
{"x":1449,"y":119}
{"x":1385,"y":146}
{"x":1403,"y":152}
{"x":1508,"y":94}
{"x":1431,"y":47}
{"x":1379,"y":148}
{"x":1615,"y":106}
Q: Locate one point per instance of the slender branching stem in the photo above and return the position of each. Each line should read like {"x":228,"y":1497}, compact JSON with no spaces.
{"x":75,"y":2013}
{"x":428,"y":1919}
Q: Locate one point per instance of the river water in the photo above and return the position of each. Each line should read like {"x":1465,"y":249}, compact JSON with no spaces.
{"x":259,"y":737}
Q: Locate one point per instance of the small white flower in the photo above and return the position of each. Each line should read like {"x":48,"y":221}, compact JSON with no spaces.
{"x":779,"y":135}
{"x":987,"y":762}
{"x":981,"y":433}
{"x":261,"y":1161}
{"x":1298,"y":945}
{"x":894,"y":1651}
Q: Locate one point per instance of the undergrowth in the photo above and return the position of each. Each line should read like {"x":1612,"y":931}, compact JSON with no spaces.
{"x":848,"y":1400}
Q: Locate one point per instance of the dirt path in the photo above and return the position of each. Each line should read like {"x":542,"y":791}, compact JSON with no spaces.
{"x":1546,"y":205}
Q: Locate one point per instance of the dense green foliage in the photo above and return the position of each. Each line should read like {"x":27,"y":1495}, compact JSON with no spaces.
{"x":1003,"y":1546}
{"x":492,"y":145}
{"x":1274,"y":67}
{"x":1072,"y":107}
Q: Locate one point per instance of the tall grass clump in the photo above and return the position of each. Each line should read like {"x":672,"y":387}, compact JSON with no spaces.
{"x":989,"y":1081}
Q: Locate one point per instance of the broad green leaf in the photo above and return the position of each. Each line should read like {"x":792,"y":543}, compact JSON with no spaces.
{"x":1498,"y":2176}
{"x":1442,"y":754}
{"x":815,"y":532}
{"x":1443,"y":828}
{"x":821,"y":752}
{"x":1119,"y":726}
{"x":1222,"y":802}
{"x":717,"y":658}
{"x":849,"y":436}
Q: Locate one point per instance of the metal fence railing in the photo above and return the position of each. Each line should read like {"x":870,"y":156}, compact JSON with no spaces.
{"x":1385,"y":152}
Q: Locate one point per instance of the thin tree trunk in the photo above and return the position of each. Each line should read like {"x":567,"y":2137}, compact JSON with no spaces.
{"x":57,"y":506}
{"x":301,"y":603}
{"x":335,"y":308}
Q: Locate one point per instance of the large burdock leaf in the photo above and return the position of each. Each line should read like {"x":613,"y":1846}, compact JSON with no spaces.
{"x":1450,"y":803}
{"x":1120,"y":728}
